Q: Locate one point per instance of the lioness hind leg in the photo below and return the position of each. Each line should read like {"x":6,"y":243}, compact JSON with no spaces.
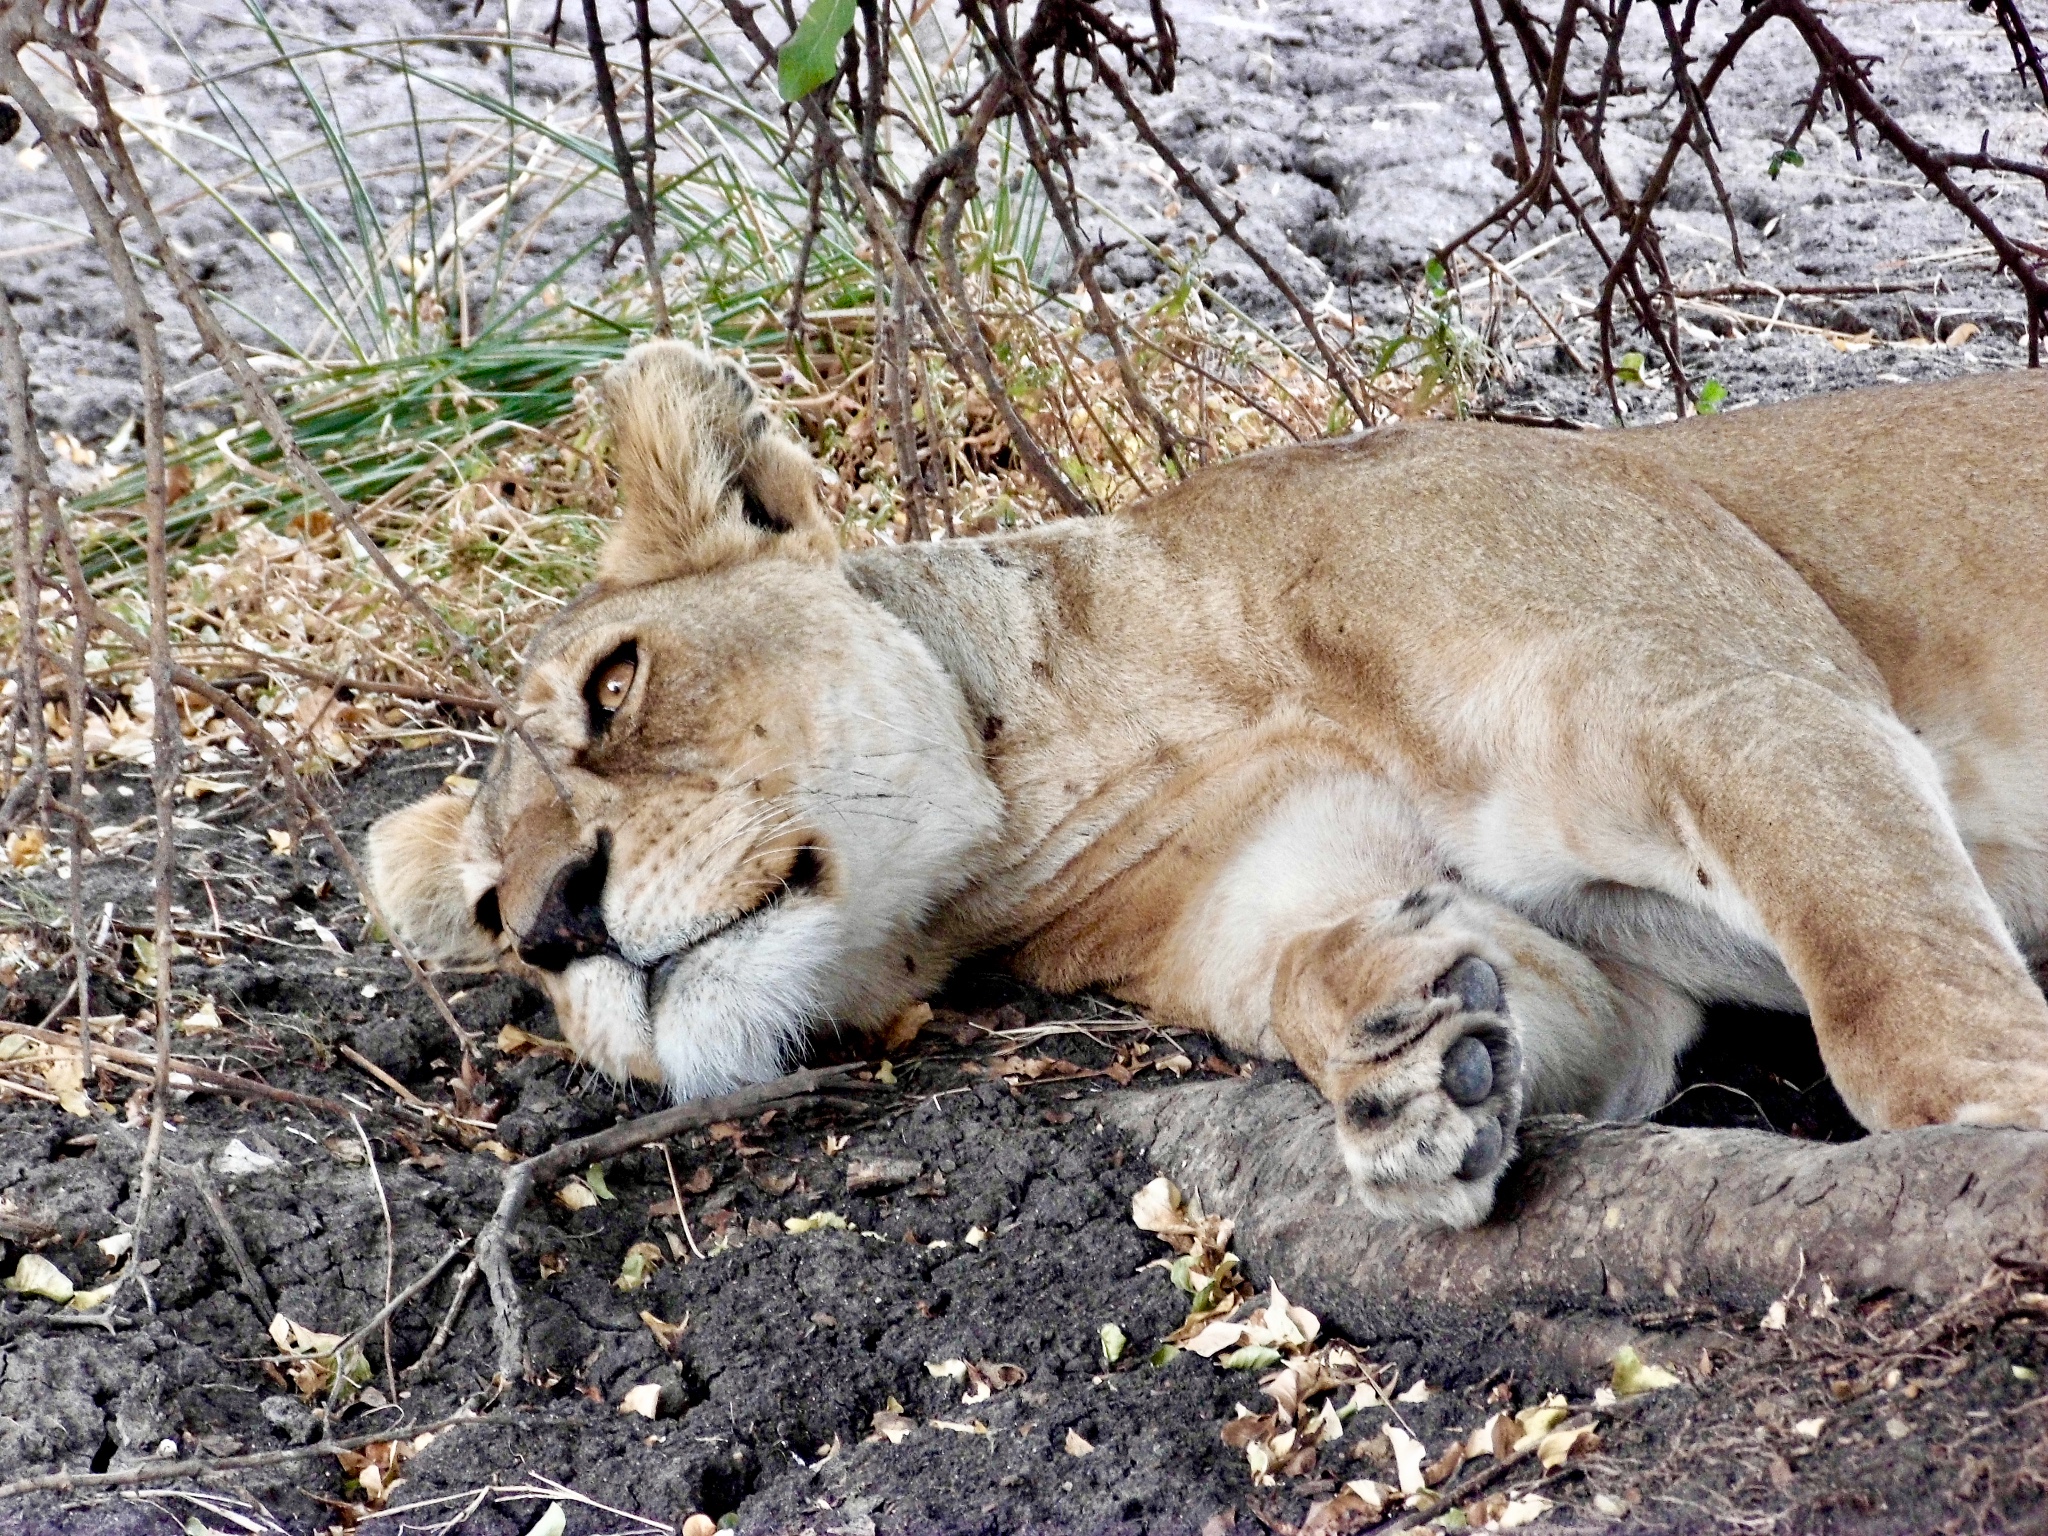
{"x":1433,"y":1027}
{"x":1821,"y":823}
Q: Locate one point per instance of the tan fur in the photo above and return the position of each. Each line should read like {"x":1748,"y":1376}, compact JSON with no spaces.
{"x":1459,"y":763}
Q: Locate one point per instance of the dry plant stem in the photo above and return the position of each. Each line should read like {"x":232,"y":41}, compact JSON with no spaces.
{"x":207,"y":1466}
{"x":253,"y":1285}
{"x":1172,"y":447}
{"x":1070,"y":499}
{"x":639,"y":210}
{"x":203,"y":1077}
{"x":2026,"y":54}
{"x":493,"y":1244}
{"x":473,"y":703}
{"x":441,"y":1334}
{"x":31,"y":495}
{"x":390,"y":1254}
{"x":895,"y":330}
{"x":281,"y":764}
{"x":969,"y":358}
{"x":34,"y":493}
{"x":1226,"y":224}
{"x":381,"y":1318}
{"x":19,"y":25}
{"x":61,"y":139}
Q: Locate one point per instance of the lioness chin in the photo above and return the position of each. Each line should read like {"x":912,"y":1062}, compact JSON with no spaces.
{"x":1461,"y":764}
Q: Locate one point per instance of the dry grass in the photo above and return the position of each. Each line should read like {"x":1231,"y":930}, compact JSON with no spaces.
{"x":458,"y":415}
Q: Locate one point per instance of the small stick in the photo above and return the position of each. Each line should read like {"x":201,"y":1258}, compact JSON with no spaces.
{"x":231,"y":1239}
{"x":675,"y":1190}
{"x":390,"y":1257}
{"x":384,"y":1314}
{"x":202,"y":1077}
{"x":493,"y":1244}
{"x":440,"y":1338}
{"x":207,"y":1466}
{"x":377,"y":1072}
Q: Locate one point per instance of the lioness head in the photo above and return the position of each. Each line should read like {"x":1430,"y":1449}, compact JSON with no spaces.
{"x":752,"y":786}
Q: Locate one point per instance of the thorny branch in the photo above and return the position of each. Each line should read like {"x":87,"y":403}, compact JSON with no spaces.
{"x":1621,"y":228}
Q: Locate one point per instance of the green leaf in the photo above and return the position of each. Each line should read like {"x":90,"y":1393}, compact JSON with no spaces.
{"x":811,"y":56}
{"x":1713,"y":395}
{"x":1782,"y":158}
{"x":1252,"y":1357}
{"x":1113,"y":1342}
{"x":594,"y":1177}
{"x":1179,"y":1272}
{"x":1630,"y":369}
{"x":1166,"y":1354}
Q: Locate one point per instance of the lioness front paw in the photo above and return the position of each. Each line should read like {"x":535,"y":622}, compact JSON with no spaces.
{"x":1428,"y":1096}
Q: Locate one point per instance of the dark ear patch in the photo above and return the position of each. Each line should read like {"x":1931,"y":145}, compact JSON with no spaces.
{"x":756,"y":512}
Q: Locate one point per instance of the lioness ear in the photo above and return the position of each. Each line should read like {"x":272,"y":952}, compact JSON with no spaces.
{"x":707,"y":476}
{"x":416,"y":859}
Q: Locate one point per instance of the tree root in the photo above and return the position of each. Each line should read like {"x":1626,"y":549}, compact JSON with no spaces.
{"x":1625,"y":1219}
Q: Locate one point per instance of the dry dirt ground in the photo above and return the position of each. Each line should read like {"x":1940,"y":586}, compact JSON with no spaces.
{"x":1354,"y":133}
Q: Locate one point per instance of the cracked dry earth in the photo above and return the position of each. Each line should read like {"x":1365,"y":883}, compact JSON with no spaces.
{"x":799,"y":1379}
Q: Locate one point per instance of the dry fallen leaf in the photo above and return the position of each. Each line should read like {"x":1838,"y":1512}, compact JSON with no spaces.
{"x":1522,"y":1510}
{"x":1076,"y":1446}
{"x":642,"y":1260}
{"x":66,"y":1079}
{"x":1632,"y":1377}
{"x":903,"y":1029}
{"x":644,"y":1400}
{"x":575,"y":1195}
{"x":35,"y":1275}
{"x":816,"y":1221}
{"x":665,"y":1334}
{"x":893,"y":1426}
{"x":1560,"y":1444}
{"x":1408,"y":1458}
{"x":552,"y":1522}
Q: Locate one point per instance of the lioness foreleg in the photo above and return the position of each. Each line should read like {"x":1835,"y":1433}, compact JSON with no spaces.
{"x":1430,"y":1015}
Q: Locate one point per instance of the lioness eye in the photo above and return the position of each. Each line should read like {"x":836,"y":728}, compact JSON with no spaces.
{"x":610,"y":683}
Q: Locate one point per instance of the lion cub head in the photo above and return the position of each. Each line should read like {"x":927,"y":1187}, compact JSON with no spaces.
{"x":752,"y":787}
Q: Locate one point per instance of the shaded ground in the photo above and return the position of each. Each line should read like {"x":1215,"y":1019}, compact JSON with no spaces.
{"x":994,"y":1228}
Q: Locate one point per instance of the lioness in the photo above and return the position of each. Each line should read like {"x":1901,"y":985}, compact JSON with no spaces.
{"x":1459,"y":763}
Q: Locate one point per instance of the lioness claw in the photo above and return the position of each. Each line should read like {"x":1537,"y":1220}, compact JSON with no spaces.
{"x":1458,"y":763}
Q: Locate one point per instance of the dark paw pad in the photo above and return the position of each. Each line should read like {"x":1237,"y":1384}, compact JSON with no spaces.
{"x":1474,"y":983}
{"x":1483,"y":1156}
{"x":1468,"y":1071}
{"x":1365,"y":1110}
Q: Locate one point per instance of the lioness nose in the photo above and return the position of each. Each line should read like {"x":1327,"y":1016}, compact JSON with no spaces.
{"x":570,"y":923}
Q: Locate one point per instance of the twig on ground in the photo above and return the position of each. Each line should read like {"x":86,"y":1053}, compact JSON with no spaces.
{"x":493,"y":1244}
{"x":440,"y":1339}
{"x":253,"y":1284}
{"x":395,"y":1304}
{"x":390,"y":1255}
{"x":202,"y":1077}
{"x":210,"y":1466}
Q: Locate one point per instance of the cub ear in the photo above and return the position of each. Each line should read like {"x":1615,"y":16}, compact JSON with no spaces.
{"x":416,"y":861}
{"x":707,"y":476}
